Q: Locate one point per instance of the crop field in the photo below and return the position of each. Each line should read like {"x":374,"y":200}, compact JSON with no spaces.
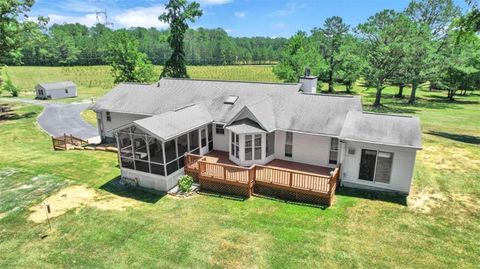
{"x":94,"y":81}
{"x":438,"y":226}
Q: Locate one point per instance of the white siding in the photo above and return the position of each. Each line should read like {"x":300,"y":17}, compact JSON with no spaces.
{"x":118,"y":119}
{"x":57,"y":93}
{"x":402,"y":167}
{"x":309,"y":149}
{"x":220,"y":142}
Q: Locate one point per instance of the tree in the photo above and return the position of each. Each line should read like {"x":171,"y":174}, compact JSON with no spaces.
{"x":179,"y":12}
{"x":461,"y":70}
{"x":351,"y":63}
{"x":298,"y":54}
{"x":438,"y":16}
{"x":330,"y":39}
{"x":128,"y":64}
{"x":384,"y":47}
{"x":470,"y":23}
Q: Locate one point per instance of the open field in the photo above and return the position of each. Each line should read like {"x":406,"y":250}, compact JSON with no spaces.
{"x":439,"y":229}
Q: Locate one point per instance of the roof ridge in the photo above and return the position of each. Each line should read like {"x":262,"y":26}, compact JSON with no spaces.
{"x":387,"y":114}
{"x":328,"y":94}
{"x":235,"y":81}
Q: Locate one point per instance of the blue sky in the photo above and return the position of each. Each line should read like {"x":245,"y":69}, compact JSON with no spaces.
{"x":274,"y":18}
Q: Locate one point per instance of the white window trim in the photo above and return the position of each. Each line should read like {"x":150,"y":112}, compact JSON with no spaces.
{"x":286,"y":143}
{"x":337,"y":151}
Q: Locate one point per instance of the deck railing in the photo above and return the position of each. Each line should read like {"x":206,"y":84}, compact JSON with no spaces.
{"x":64,"y":142}
{"x":307,"y":183}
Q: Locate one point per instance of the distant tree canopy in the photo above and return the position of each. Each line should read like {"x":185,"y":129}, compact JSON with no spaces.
{"x":85,"y":46}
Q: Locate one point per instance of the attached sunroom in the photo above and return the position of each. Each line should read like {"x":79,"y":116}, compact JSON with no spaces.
{"x":151,"y":150}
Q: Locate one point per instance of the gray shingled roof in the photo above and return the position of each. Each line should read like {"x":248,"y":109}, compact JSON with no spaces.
{"x":173,"y":123}
{"x":57,"y":85}
{"x":245,"y":126}
{"x":385,"y":129}
{"x":273,"y":104}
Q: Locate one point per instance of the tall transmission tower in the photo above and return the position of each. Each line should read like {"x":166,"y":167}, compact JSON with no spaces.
{"x":104,"y":14}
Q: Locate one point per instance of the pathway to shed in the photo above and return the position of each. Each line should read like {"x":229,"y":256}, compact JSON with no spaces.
{"x":62,"y":118}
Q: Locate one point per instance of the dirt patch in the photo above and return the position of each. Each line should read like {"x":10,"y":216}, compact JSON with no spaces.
{"x":76,"y":197}
{"x":2,"y":215}
{"x":469,"y":203}
{"x":425,"y":201}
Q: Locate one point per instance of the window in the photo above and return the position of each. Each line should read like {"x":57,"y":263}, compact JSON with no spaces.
{"x":375,"y":166}
{"x":333,"y":151}
{"x":288,"y":144}
{"x":109,"y":117}
{"x":203,"y":135}
{"x":248,"y":147}
{"x":270,"y":143}
{"x":66,"y":90}
{"x":258,"y":147}
{"x":219,"y":129}
{"x":232,"y":144}
{"x":237,"y":146}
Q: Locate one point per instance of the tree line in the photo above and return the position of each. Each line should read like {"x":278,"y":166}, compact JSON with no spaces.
{"x":77,"y":44}
{"x":430,"y":41}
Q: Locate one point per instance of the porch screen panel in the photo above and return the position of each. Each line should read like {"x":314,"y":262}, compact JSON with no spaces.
{"x":203,"y":135}
{"x":193,"y":140}
{"x":367,"y":164}
{"x":125,"y":144}
{"x":384,"y":167}
{"x":170,"y":151}
{"x":141,"y":153}
{"x":156,"y":151}
{"x":270,"y":143}
{"x":248,"y":147}
{"x":182,"y":144}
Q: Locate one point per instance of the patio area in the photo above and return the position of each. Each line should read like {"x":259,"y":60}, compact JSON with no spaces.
{"x":216,"y":172}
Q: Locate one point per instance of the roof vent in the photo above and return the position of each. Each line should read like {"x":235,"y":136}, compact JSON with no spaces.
{"x":231,"y":100}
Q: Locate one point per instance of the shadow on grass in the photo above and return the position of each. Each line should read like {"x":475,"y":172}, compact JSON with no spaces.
{"x":397,"y":109}
{"x":14,"y":116}
{"x":290,"y":202}
{"x":222,"y":195}
{"x":116,"y":187}
{"x":373,"y":195}
{"x":470,"y":139}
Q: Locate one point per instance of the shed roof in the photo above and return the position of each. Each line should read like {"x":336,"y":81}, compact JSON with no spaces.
{"x":394,"y":130}
{"x":57,"y":85}
{"x":170,"y":124}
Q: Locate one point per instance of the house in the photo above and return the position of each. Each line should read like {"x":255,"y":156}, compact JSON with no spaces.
{"x":290,"y":136}
{"x":56,"y":90}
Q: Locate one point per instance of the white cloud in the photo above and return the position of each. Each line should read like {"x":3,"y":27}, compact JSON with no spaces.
{"x":87,"y":19}
{"x":240,"y":14}
{"x":142,"y":17}
{"x":214,"y":2}
{"x":288,"y":10}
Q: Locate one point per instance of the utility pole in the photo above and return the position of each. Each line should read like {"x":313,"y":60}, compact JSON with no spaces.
{"x":104,"y":14}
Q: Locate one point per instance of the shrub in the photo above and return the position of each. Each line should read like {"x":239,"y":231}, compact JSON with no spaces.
{"x":9,"y":87}
{"x":185,"y":183}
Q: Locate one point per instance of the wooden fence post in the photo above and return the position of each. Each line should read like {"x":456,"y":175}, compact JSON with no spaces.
{"x":65,"y":140}
{"x":53,"y":142}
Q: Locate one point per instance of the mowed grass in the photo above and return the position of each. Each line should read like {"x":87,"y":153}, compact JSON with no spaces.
{"x":360,"y":230}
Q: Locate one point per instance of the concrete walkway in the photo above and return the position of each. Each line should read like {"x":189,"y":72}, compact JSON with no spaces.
{"x":60,"y":118}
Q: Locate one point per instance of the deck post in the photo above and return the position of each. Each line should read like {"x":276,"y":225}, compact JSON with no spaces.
{"x":224,"y":173}
{"x":290,"y":179}
{"x":65,"y":140}
{"x":53,"y":142}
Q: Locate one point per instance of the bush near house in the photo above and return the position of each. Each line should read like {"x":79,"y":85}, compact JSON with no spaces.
{"x":185,"y":183}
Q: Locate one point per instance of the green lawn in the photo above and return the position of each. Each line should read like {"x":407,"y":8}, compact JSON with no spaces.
{"x":360,"y":230}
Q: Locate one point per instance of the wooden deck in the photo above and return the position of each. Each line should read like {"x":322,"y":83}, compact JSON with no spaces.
{"x":215,"y":171}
